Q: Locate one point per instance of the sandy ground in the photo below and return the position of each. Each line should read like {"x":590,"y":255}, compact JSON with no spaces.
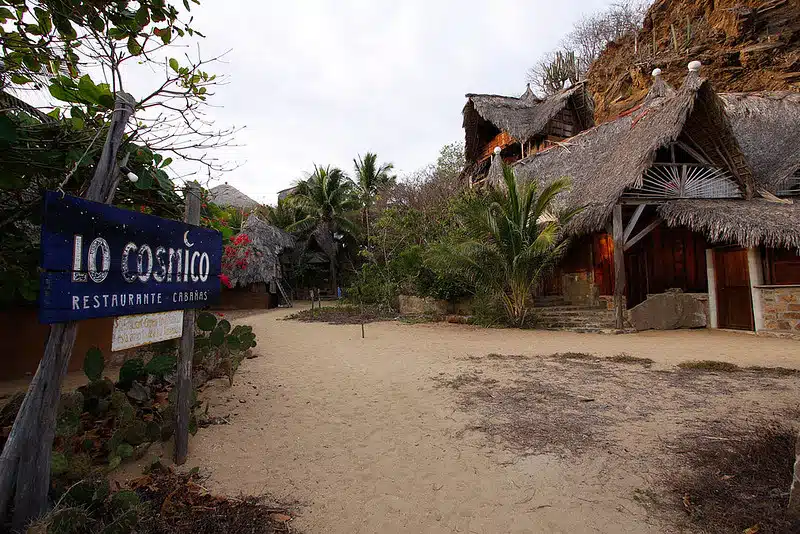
{"x":415,"y":429}
{"x":364,"y":438}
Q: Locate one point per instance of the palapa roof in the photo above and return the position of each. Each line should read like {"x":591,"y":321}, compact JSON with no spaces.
{"x":767,"y":126}
{"x":228,"y":196}
{"x":746,"y":222}
{"x":524,"y":116}
{"x":605,"y":161}
{"x":268,"y":244}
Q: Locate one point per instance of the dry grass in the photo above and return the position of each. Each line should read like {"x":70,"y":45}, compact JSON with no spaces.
{"x":579,"y":356}
{"x":710,"y":365}
{"x":776,"y":371}
{"x":624,"y":357}
{"x":504,"y":357}
{"x":737,"y":479}
{"x":726,"y":367}
{"x":343,"y":314}
{"x":717,"y":477}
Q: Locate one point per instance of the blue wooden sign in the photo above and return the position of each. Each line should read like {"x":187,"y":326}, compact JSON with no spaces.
{"x":100,"y":261}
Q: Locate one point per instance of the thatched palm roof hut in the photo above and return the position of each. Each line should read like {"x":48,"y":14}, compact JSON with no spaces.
{"x":268,"y":243}
{"x":226,"y":196}
{"x":492,"y":121}
{"x":767,"y":126}
{"x":728,"y":131}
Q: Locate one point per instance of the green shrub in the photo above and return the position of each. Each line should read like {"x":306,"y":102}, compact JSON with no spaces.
{"x":93,"y":364}
{"x":218,"y":348}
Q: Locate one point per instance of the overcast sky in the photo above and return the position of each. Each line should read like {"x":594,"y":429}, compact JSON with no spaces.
{"x":320,"y":81}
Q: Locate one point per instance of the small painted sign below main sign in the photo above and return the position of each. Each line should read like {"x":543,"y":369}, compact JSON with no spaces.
{"x":136,"y":330}
{"x":101,"y":261}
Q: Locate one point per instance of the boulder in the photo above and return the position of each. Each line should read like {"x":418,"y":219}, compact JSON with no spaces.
{"x":668,"y":311}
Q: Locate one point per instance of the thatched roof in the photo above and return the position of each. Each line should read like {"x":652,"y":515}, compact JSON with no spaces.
{"x":524,"y":116}
{"x":228,"y":196}
{"x":767,"y":126}
{"x":745,"y":222}
{"x":268,"y":243}
{"x":605,"y":161}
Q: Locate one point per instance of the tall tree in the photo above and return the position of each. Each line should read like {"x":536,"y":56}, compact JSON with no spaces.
{"x":82,"y":53}
{"x":282,"y":215}
{"x":371,"y":178}
{"x":584,"y":43}
{"x":512,"y":239}
{"x":325,"y":200}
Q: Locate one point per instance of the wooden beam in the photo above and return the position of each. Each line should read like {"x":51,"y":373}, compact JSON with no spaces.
{"x":638,"y":237}
{"x":25,"y":461}
{"x":694,"y":153}
{"x":619,"y":267}
{"x":639,"y":201}
{"x":633,"y":221}
{"x":183,"y":410}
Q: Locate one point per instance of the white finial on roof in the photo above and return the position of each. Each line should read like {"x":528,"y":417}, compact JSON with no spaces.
{"x":694,"y":66}
{"x":497,"y":150}
{"x":656,"y":72}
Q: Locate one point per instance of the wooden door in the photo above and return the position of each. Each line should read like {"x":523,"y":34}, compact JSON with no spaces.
{"x":734,"y":300}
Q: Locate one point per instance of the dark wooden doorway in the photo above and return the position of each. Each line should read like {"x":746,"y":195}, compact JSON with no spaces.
{"x":734,"y":300}
{"x":636,"y":276}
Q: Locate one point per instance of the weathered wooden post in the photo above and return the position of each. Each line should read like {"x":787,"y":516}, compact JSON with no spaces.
{"x":794,"y":490}
{"x":619,"y":266}
{"x":184,"y":397}
{"x":25,"y":461}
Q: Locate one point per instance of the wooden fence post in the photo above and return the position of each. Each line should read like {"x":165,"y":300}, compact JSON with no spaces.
{"x":25,"y":461}
{"x":619,"y":266}
{"x":184,"y":397}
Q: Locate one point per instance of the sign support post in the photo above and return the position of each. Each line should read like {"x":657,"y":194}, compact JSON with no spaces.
{"x":25,"y":461}
{"x":184,"y":397}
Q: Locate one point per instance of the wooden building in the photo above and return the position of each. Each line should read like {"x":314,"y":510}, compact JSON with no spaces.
{"x":258,"y":274}
{"x":520,"y":126}
{"x":691,"y":193}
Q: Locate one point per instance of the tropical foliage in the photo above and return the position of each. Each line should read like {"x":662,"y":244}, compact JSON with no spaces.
{"x":282,"y":215}
{"x":326,"y":201}
{"x":371,"y":178}
{"x":512,"y":238}
{"x":43,"y":47}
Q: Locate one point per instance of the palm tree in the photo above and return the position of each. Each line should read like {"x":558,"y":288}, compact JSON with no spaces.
{"x":282,"y":215}
{"x":371,"y":178}
{"x":512,"y":238}
{"x":324,"y":201}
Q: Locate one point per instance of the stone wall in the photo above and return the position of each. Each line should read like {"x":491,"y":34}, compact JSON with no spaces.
{"x":781,"y":308}
{"x":579,"y":288}
{"x":411,"y":305}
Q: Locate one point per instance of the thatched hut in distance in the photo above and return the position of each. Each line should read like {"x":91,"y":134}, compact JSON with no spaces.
{"x":517,"y":127}
{"x":227,"y":196}
{"x":257,"y":272}
{"x":691,"y":193}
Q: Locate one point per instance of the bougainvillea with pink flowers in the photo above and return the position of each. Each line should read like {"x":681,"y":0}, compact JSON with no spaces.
{"x":236,"y":256}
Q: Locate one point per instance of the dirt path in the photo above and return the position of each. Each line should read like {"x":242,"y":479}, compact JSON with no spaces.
{"x":362,"y":435}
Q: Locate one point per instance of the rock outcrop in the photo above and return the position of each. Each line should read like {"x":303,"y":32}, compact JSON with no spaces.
{"x":668,"y":311}
{"x":744,"y":45}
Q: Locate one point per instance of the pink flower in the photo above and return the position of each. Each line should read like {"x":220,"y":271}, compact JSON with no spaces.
{"x":225,"y":280}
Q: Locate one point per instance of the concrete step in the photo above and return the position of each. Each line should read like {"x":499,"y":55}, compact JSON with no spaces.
{"x":570,"y":324}
{"x":575,"y":313}
{"x":568,"y":307}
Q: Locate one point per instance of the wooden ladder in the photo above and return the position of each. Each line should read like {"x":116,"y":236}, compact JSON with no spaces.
{"x":286,"y":298}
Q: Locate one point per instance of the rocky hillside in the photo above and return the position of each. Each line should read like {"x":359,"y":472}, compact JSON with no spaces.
{"x":744,"y":45}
